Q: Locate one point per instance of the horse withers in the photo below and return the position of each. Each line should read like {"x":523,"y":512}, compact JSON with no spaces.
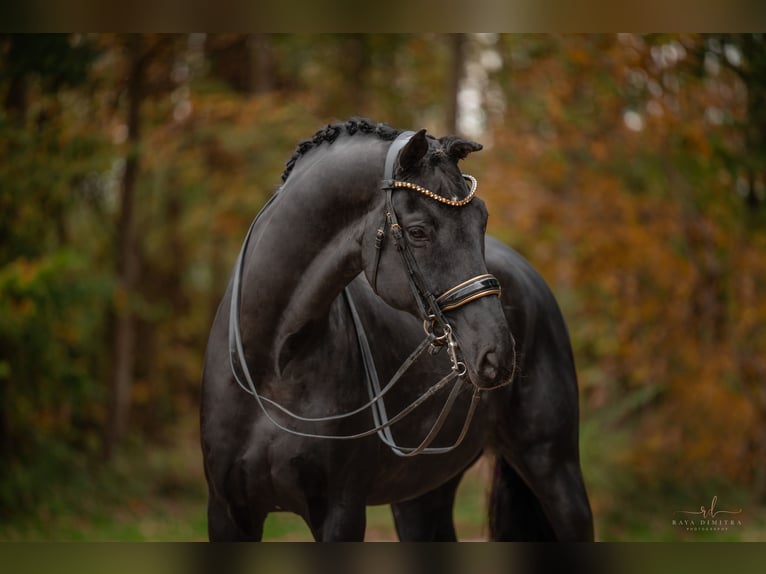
{"x":373,"y":343}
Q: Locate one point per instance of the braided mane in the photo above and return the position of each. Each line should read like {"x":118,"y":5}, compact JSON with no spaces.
{"x":331,"y":132}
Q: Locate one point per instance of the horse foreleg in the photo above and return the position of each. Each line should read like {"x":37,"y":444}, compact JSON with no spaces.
{"x":515,"y":513}
{"x":428,"y":518}
{"x":342,"y":522}
{"x":224,"y":525}
{"x":540,"y":497}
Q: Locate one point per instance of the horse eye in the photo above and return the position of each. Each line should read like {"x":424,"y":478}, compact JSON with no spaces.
{"x":417,"y":233}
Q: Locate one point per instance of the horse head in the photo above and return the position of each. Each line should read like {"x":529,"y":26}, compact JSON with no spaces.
{"x":431,"y":247}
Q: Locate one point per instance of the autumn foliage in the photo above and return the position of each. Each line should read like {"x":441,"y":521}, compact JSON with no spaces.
{"x":630,"y":170}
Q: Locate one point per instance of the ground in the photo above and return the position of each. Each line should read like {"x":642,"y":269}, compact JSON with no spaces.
{"x":157,"y":492}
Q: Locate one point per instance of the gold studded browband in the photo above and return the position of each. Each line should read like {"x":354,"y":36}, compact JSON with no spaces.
{"x":430,"y":194}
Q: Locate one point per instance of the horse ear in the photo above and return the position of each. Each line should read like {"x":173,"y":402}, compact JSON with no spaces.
{"x":458,"y":148}
{"x":413,"y":151}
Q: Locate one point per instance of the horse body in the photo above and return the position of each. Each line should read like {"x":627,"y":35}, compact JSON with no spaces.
{"x":314,"y":239}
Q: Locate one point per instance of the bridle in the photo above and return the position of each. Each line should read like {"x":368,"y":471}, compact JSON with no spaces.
{"x":431,"y":308}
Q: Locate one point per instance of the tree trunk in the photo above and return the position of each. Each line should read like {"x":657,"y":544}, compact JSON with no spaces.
{"x":262,"y":64}
{"x":356,"y":64}
{"x":457,"y":50}
{"x":127,"y":260}
{"x":16,"y":98}
{"x":15,"y":101}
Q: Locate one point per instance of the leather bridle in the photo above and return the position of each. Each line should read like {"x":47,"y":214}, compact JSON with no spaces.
{"x":430,"y":307}
{"x":437,"y":328}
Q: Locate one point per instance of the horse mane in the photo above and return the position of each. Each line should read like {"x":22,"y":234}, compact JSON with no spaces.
{"x":331,"y":132}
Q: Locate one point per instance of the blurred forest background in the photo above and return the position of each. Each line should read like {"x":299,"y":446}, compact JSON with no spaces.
{"x":630,"y":170}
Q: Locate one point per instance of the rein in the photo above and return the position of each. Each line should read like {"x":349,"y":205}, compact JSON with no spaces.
{"x":240,"y":369}
{"x":431,"y":309}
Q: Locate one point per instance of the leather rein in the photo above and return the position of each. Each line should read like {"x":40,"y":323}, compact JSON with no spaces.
{"x":436,"y":326}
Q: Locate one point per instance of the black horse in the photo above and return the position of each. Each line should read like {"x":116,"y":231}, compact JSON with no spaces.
{"x":374,"y":237}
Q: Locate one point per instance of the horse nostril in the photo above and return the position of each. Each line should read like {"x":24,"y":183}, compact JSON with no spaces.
{"x":489,"y":366}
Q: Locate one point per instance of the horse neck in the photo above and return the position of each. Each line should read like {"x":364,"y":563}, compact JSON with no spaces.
{"x":307,"y":247}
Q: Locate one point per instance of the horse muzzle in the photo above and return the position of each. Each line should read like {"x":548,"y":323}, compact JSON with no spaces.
{"x":486,"y":344}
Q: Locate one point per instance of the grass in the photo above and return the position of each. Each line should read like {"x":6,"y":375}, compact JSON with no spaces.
{"x":158,"y":493}
{"x":147,"y":492}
